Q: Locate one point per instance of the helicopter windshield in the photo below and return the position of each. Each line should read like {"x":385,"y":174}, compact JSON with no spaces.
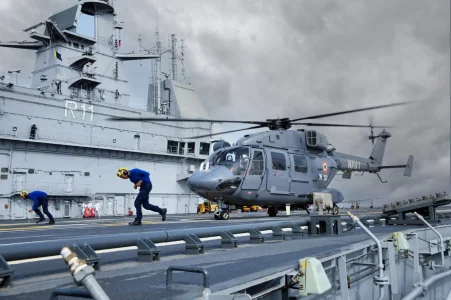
{"x":210,"y":160}
{"x":236,"y":159}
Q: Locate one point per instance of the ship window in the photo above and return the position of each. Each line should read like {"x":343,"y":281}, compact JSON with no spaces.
{"x":86,"y":173}
{"x":191,"y":147}
{"x":3,"y":176}
{"x":5,"y":170}
{"x":76,"y":45}
{"x":204,"y":148}
{"x":182,"y":148}
{"x":300,"y":164}
{"x":278,"y":161}
{"x":172,"y":147}
{"x":86,"y":25}
{"x":257,"y":163}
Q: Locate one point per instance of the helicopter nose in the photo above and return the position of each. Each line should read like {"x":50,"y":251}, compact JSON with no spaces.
{"x":201,"y":181}
{"x":217,"y":180}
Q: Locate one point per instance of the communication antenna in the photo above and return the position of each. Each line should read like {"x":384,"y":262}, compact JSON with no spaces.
{"x":174,"y":57}
{"x":182,"y":51}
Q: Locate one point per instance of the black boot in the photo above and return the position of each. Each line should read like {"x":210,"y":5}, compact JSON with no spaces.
{"x":135,"y":223}
{"x":51,"y":222}
{"x":40,"y":220}
{"x":163,"y":214}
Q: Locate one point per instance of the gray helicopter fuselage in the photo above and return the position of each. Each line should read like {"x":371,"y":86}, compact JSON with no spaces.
{"x":279,"y":167}
{"x":275,"y":168}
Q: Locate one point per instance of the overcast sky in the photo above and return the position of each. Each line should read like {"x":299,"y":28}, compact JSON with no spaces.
{"x":260,"y":59}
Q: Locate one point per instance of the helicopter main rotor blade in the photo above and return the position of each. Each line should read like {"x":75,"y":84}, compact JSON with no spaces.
{"x":236,"y":130}
{"x":186,"y":120}
{"x":350,"y":111}
{"x":339,"y":125}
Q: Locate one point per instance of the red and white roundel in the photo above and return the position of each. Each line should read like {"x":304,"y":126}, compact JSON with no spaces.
{"x":325,"y":167}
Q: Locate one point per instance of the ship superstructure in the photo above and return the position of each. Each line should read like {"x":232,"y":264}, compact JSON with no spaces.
{"x":54,"y":133}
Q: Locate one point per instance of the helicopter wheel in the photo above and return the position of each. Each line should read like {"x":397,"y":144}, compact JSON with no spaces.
{"x":221,"y":215}
{"x":224,"y":215}
{"x":272,"y":211}
{"x":335,"y":210}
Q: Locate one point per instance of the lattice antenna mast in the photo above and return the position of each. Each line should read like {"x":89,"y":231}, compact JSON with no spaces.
{"x":174,"y":57}
{"x":183,"y":57}
{"x":157,"y":75}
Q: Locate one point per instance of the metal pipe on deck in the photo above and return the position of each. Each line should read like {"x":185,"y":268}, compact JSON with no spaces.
{"x":418,"y":291}
{"x":17,"y":251}
{"x":381,"y":280}
{"x":83,"y":274}
{"x":70,"y":292}
{"x":442,"y":265}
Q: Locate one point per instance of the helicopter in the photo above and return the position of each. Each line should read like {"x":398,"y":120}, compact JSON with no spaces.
{"x":280,"y":167}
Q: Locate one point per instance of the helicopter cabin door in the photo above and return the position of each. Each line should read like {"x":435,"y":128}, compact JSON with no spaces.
{"x":300,"y":181}
{"x":254,"y":176}
{"x":278,"y":179}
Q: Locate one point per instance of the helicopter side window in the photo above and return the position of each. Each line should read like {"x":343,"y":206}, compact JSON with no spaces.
{"x":257,"y":164}
{"x":300,"y":164}
{"x":278,"y":161}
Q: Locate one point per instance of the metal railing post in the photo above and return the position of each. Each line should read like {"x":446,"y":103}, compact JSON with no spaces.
{"x":187,"y":269}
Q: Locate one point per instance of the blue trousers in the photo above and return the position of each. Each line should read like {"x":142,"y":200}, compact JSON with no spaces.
{"x":143,"y":200}
{"x":45,"y":207}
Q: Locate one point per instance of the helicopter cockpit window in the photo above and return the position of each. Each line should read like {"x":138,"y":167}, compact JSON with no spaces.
{"x":236,"y":159}
{"x":212,"y":158}
{"x":278,"y":161}
{"x":300,"y":164}
{"x":257,"y":164}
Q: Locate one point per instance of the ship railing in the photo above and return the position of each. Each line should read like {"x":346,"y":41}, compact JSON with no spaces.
{"x":79,"y":139}
{"x":26,"y":83}
{"x":54,"y":188}
{"x":15,"y":79}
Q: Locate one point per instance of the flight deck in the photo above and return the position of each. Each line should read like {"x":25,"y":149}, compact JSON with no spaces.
{"x":121,"y":275}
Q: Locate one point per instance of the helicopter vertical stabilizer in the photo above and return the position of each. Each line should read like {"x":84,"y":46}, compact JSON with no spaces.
{"x":377,"y":154}
{"x":409,"y":166}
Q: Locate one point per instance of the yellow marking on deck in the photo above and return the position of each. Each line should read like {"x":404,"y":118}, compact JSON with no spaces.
{"x":27,"y":228}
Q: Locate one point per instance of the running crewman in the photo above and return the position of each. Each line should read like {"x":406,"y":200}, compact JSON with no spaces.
{"x":141,"y":179}
{"x":39,"y":198}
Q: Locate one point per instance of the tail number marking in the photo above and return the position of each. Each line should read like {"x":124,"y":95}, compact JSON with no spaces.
{"x":353,"y":164}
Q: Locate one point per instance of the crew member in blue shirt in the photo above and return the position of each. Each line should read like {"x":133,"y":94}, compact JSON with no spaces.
{"x":39,"y":198}
{"x":141,"y":179}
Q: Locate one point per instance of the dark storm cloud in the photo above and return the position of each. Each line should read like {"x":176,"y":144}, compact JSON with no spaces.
{"x":268,"y":59}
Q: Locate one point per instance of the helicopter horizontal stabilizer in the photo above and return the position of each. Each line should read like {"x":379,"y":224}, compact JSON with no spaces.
{"x":408,"y":167}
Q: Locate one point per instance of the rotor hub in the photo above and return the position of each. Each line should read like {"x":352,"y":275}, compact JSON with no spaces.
{"x":275,"y":124}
